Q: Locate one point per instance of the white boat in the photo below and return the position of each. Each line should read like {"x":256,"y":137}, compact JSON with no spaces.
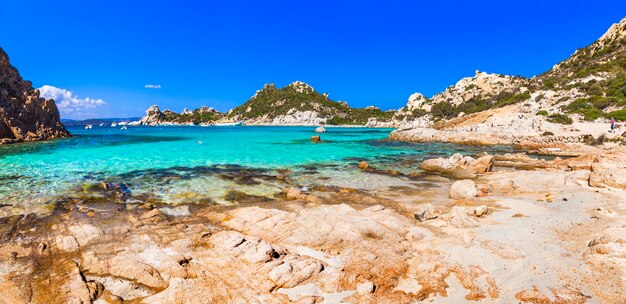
{"x":229,"y":124}
{"x":205,"y":125}
{"x":102,"y":124}
{"x":87,"y":127}
{"x":113,"y":125}
{"x":124,"y":128}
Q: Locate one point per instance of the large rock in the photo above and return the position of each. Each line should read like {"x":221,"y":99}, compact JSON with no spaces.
{"x":154,"y":116}
{"x":416,"y":101}
{"x":608,"y":172}
{"x":463,"y":189}
{"x":459,"y":166}
{"x":24,"y":116}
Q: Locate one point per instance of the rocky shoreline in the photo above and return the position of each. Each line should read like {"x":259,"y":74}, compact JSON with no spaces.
{"x":490,"y":228}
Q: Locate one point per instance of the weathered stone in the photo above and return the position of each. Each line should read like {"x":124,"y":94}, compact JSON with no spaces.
{"x":24,"y":116}
{"x":365,"y":288}
{"x":459,"y":166}
{"x":481,"y":210}
{"x":424,"y":213}
{"x":607,"y":172}
{"x":463,"y":189}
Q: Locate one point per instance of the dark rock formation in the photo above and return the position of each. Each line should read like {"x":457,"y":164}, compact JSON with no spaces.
{"x":24,"y":116}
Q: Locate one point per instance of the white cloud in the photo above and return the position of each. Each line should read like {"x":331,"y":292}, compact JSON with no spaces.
{"x":67,"y":102}
{"x":152,"y":86}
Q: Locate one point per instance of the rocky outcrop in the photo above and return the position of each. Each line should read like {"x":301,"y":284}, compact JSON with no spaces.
{"x":24,"y":116}
{"x":459,"y":166}
{"x":482,"y":86}
{"x":416,"y":101}
{"x":153,"y":117}
{"x":608,"y":171}
{"x":570,"y":102}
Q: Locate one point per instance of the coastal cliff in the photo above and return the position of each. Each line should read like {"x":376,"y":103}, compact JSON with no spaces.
{"x":24,"y":116}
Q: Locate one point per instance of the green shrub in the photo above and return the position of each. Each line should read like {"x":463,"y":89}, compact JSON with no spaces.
{"x":542,"y":112}
{"x":617,"y":115}
{"x":577,"y":105}
{"x":592,"y":114}
{"x":512,"y":99}
{"x":560,"y":119}
{"x":444,"y":110}
{"x":590,"y":140}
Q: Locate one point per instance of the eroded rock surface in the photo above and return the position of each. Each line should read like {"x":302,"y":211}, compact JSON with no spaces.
{"x":24,"y":116}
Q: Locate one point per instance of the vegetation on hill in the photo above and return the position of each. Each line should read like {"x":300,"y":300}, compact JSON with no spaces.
{"x":197,"y":117}
{"x":446,"y":110}
{"x":598,"y":71}
{"x":272,"y":102}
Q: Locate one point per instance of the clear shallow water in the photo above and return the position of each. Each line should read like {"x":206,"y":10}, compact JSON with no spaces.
{"x":188,"y":163}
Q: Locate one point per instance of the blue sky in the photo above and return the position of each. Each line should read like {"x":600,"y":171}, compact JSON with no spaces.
{"x":218,"y":53}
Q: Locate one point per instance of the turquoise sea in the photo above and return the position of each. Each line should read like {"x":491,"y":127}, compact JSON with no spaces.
{"x":193,"y":164}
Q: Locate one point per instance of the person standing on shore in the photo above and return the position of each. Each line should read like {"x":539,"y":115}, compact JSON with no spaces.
{"x":612,"y":125}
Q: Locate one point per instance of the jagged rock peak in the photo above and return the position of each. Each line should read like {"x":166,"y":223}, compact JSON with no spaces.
{"x":154,"y":109}
{"x":616,"y":31}
{"x":301,"y":87}
{"x":24,"y":116}
{"x":205,"y":109}
{"x":267,"y":86}
{"x":153,"y":116}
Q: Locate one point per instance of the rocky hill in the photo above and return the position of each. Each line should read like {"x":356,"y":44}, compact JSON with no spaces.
{"x":589,"y":85}
{"x":571,"y":102}
{"x":154,"y":116}
{"x":299,"y":104}
{"x":24,"y":116}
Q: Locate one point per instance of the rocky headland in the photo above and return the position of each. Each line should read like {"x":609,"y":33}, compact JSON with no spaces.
{"x":24,"y":116}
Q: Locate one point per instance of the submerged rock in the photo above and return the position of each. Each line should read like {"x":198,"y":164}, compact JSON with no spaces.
{"x":363,"y":165}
